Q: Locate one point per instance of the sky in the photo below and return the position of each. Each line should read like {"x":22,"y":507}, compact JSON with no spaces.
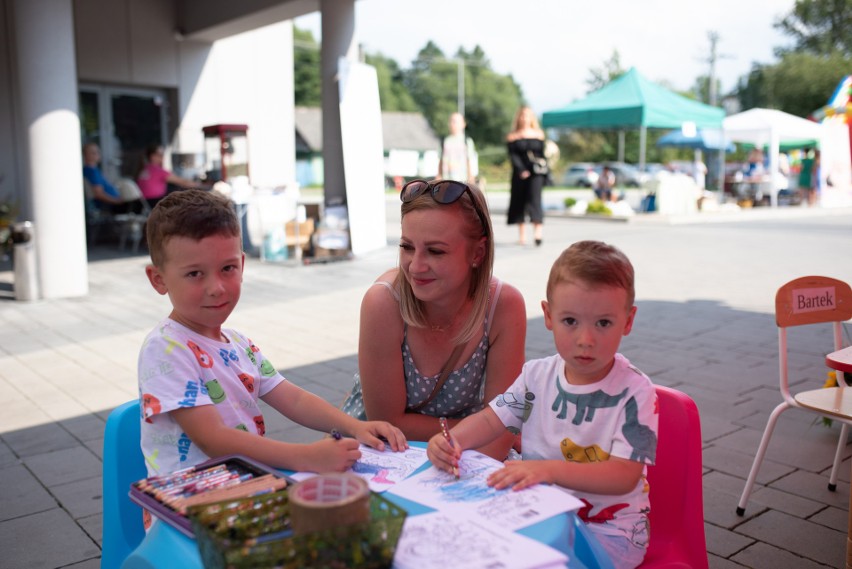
{"x":550,"y":46}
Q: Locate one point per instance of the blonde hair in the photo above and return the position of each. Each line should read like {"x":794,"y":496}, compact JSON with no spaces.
{"x":517,"y":124}
{"x":593,"y":263}
{"x":411,"y":308}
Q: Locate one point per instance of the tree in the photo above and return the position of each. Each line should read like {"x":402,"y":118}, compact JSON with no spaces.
{"x":393,"y":96}
{"x":306,"y":69}
{"x":609,"y":71}
{"x":701,"y":88}
{"x":798,"y":84}
{"x":490,"y":99}
{"x":807,"y":73}
{"x":819,"y":27}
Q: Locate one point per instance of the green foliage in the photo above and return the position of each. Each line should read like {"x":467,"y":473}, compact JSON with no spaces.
{"x":598,"y":207}
{"x":306,"y":69}
{"x":393,"y":95}
{"x":491,"y":100}
{"x":609,"y":71}
{"x":807,"y":72}
{"x":798,"y":84}
{"x":570,"y":202}
{"x":819,"y":27}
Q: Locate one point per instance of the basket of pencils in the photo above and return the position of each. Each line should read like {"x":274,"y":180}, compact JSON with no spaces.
{"x":256,"y":532}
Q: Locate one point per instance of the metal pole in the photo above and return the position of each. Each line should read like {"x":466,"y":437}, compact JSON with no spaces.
{"x":460,"y":66}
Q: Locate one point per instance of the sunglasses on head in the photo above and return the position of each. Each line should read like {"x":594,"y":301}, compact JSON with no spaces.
{"x":443,"y":192}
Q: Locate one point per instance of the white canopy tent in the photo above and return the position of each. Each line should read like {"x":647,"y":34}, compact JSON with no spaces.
{"x":770,"y":127}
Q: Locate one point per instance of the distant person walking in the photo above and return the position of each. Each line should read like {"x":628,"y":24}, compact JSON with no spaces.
{"x":807,"y":177}
{"x":458,"y":154}
{"x":526,"y":147}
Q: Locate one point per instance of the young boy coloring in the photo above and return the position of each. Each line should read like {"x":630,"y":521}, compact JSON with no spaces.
{"x":587,"y":418}
{"x":199,"y":383}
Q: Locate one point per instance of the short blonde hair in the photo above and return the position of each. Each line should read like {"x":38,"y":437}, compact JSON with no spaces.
{"x":411,"y":308}
{"x":593,"y":263}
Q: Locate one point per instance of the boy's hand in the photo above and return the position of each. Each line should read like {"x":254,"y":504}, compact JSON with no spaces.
{"x":376,"y":433}
{"x":442,"y":455}
{"x":330,"y":455}
{"x":520,"y":474}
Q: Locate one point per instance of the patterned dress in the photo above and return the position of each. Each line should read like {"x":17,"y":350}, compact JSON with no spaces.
{"x":461,"y":395}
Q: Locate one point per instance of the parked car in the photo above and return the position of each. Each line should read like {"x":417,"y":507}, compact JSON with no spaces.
{"x":583,"y":174}
{"x":654,"y":168}
{"x":627,"y":174}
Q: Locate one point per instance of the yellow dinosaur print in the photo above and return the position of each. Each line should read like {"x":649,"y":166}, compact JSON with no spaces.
{"x":576,"y":453}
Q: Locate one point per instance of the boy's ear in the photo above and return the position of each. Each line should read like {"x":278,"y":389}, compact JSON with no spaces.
{"x":628,"y":326}
{"x":156,"y":279}
{"x":548,"y":321}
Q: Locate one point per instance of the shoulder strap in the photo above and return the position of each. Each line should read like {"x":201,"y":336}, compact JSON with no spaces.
{"x":445,"y":372}
{"x":388,"y":286}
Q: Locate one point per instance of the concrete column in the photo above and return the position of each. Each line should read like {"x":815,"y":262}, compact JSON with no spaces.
{"x":338,"y":40}
{"x":47,"y":95}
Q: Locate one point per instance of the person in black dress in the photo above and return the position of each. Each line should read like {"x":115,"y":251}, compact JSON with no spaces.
{"x":525,"y":143}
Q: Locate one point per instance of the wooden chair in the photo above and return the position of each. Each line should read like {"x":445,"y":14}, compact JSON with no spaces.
{"x":677,"y":498}
{"x":800,"y":302}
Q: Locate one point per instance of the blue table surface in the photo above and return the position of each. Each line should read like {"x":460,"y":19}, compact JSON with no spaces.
{"x":164,"y":545}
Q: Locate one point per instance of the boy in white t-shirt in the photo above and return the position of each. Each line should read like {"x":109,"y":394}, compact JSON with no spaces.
{"x":199,"y":383}
{"x":588,"y":419}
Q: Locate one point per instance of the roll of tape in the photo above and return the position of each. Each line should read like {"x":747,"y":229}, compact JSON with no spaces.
{"x":328,"y":500}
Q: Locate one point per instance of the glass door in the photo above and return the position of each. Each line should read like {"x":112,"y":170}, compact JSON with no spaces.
{"x":123,"y":122}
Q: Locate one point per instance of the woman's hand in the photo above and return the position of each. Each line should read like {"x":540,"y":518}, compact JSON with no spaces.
{"x":524,"y":175}
{"x":376,"y":433}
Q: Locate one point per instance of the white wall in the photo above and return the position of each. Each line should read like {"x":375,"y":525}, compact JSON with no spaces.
{"x":126,"y":42}
{"x":244,"y":79}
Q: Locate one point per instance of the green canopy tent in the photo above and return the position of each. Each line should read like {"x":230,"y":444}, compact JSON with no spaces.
{"x":631,"y":101}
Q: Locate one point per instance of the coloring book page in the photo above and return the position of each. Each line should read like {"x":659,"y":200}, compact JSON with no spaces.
{"x":382,"y":469}
{"x":439,"y":540}
{"x":470,"y":493}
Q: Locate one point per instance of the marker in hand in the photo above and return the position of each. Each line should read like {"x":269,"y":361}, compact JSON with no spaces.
{"x":443,"y":422}
{"x":335,"y":434}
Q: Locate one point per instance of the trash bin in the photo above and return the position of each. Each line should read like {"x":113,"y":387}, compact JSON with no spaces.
{"x":24,"y":261}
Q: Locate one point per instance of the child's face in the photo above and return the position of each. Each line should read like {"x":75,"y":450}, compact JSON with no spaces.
{"x":587,"y":324}
{"x":203,"y":280}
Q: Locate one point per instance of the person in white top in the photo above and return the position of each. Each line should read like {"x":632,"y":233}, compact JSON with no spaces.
{"x":200,"y":383}
{"x":587,"y":418}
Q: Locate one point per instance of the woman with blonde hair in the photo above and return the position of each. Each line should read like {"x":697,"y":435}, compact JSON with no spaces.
{"x":526,"y":152}
{"x":439,"y":335}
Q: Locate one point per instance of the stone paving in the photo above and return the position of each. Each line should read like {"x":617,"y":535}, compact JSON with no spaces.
{"x":705,"y":292}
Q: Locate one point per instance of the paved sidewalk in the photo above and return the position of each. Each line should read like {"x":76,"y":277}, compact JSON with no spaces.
{"x":705,"y":292}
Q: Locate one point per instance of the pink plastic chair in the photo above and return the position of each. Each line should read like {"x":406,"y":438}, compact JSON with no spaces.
{"x":677,"y":500}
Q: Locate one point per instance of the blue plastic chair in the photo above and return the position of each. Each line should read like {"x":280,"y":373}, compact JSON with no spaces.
{"x":123,"y":464}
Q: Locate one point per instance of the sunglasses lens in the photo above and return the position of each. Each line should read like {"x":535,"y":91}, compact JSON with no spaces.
{"x":413,"y":189}
{"x":448,"y":191}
